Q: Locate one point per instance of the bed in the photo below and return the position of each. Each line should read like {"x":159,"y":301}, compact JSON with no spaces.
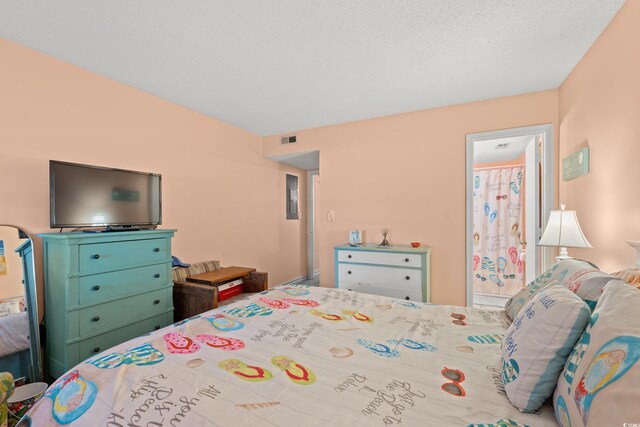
{"x":14,"y":344}
{"x":299,"y":356}
{"x":14,"y":333}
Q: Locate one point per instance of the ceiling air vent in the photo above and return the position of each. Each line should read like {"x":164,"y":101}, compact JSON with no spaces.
{"x":288,"y":139}
{"x":503,"y":145}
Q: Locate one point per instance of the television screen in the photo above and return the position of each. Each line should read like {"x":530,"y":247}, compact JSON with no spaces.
{"x":93,"y":196}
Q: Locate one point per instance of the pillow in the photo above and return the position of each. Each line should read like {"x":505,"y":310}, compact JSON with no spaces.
{"x":537,"y":343}
{"x":588,"y":285}
{"x":519,"y":300}
{"x":181,"y":273}
{"x":10,"y":306}
{"x":599,"y":383}
{"x":629,"y":275}
{"x":573,"y":274}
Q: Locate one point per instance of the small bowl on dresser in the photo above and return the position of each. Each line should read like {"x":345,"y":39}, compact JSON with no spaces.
{"x":415,"y":244}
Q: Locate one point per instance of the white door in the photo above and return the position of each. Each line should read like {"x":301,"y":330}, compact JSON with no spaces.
{"x":538,"y":195}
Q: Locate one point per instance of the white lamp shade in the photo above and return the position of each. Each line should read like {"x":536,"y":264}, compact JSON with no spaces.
{"x":564,"y":230}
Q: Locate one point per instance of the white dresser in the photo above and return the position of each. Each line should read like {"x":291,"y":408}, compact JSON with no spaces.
{"x":396,"y":271}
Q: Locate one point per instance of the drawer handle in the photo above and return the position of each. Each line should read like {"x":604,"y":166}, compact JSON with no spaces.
{"x":96,"y":256}
{"x":407,"y":278}
{"x":406,"y":260}
{"x":95,"y":319}
{"x":407,"y":298}
{"x":157,"y":275}
{"x":157,"y":327}
{"x":96,"y":350}
{"x":156,"y":249}
{"x":157,"y":301}
{"x":96,"y":288}
{"x":349,"y":272}
{"x":349,"y":256}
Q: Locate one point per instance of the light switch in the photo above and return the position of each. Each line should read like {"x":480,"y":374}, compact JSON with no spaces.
{"x":331,"y":216}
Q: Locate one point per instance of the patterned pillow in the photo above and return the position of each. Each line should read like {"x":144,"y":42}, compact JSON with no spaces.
{"x":599,"y":383}
{"x":9,"y":306}
{"x":581,"y":277}
{"x":181,"y":273}
{"x":537,"y":343}
{"x":629,"y":275}
{"x":588,"y":285}
{"x":519,"y":300}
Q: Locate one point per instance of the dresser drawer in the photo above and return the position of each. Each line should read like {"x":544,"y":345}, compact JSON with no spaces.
{"x":382,"y":258}
{"x":397,"y":278}
{"x":97,"y":257}
{"x":107,"y":286}
{"x":95,"y":345}
{"x":386,"y":291}
{"x":121,"y":312}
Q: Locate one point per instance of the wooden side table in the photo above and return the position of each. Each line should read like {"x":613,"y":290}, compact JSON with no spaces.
{"x":199,"y":293}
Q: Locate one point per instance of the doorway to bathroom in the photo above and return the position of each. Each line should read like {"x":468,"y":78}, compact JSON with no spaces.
{"x":509,"y":195}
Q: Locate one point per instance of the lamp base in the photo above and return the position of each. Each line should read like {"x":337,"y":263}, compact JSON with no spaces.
{"x":563,"y":254}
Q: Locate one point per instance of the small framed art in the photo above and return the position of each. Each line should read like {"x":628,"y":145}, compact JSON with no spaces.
{"x":355,"y":237}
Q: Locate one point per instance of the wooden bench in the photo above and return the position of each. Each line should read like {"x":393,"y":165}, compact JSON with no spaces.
{"x":191,"y":298}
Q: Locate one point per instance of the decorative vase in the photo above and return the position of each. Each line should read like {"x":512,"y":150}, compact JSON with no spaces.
{"x":385,"y":242}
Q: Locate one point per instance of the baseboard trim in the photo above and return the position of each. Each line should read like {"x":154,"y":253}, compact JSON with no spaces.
{"x":295,"y":281}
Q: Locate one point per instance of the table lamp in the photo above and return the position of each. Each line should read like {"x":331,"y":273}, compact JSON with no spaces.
{"x":563,"y":231}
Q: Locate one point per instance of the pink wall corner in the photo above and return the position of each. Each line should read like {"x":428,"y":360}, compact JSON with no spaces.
{"x":599,"y":107}
{"x":225,"y":199}
{"x":407,"y":172}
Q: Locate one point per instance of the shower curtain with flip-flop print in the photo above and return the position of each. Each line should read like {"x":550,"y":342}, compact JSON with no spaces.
{"x":497,"y":222}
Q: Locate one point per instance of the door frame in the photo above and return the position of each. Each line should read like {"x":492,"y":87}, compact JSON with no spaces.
{"x":310,"y":221}
{"x":547,"y":189}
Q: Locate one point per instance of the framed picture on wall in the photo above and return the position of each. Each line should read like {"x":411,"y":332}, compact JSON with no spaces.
{"x":355,"y":237}
{"x":292,"y":197}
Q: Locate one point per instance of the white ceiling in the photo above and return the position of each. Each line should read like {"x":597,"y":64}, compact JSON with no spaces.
{"x":271,"y":66}
{"x":485,"y":151}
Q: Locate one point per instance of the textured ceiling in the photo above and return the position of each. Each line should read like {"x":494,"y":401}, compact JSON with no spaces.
{"x":271,"y":66}
{"x":485,"y":151}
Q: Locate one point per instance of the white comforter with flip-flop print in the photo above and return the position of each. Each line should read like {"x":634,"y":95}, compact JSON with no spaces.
{"x":298,"y":356}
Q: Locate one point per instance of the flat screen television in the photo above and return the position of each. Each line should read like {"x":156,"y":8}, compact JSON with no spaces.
{"x":94,"y":196}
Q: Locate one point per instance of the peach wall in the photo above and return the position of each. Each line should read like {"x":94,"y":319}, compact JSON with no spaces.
{"x":407,"y":172}
{"x":599,"y":107}
{"x":226,"y":201}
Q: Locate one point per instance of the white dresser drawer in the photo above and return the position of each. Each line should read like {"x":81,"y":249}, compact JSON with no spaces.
{"x":382,"y":258}
{"x":399,"y":272}
{"x":385,"y":291}
{"x":397,"y":278}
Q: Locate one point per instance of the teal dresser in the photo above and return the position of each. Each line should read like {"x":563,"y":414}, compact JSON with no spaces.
{"x":397,"y":271}
{"x":102,"y":289}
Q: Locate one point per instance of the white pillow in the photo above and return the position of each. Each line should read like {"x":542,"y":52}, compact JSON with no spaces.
{"x":581,"y":277}
{"x":537,"y":343}
{"x":8,"y":307}
{"x":526,"y":294}
{"x":599,"y":385}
